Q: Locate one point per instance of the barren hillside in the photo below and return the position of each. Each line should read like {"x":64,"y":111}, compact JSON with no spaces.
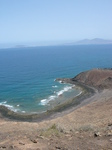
{"x":99,"y":78}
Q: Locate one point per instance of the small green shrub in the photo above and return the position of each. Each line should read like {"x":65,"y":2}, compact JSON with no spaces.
{"x":53,"y":130}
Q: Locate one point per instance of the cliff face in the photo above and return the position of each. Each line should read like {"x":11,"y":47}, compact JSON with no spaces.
{"x":99,"y":78}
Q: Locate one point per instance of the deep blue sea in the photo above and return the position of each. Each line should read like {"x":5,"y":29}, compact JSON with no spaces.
{"x":27,"y":75}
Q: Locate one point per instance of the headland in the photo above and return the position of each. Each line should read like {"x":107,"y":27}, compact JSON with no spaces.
{"x":83,"y":122}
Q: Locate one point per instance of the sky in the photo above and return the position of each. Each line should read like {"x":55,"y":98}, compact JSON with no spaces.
{"x":31,"y":21}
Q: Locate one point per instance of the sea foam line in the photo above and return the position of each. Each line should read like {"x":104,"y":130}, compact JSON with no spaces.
{"x":8,"y":106}
{"x":64,"y":90}
{"x":53,"y":97}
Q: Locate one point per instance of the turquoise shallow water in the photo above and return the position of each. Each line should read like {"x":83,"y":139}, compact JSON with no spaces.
{"x":27,"y":74}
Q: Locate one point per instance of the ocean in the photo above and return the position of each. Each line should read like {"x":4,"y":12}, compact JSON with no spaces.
{"x":27,"y":75}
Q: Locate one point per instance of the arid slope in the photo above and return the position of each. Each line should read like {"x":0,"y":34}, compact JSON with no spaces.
{"x":99,"y":78}
{"x":89,"y":127}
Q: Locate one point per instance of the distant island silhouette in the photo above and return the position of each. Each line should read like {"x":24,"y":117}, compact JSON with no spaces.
{"x":92,"y":41}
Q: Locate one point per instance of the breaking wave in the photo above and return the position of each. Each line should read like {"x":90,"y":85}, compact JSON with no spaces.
{"x":57,"y":94}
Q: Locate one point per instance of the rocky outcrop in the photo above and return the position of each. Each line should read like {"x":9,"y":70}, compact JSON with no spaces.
{"x":98,"y":78}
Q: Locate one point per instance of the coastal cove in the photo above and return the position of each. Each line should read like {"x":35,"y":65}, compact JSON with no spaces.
{"x":68,"y":91}
{"x":27,"y":75}
{"x":55,"y":75}
{"x":66,"y":107}
{"x":87,"y":115}
{"x":90,"y":83}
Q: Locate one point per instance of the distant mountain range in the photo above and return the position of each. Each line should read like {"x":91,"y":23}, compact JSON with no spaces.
{"x":96,"y":41}
{"x":92,"y":41}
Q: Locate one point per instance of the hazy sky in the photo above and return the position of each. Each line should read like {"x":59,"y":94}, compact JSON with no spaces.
{"x":54,"y":20}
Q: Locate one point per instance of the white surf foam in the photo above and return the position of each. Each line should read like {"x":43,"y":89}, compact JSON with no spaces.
{"x":54,"y":86}
{"x":67,"y":88}
{"x":8,"y":106}
{"x":53,"y":97}
{"x":43,"y":102}
{"x":46,"y":101}
{"x":4,"y":104}
{"x":79,"y":93}
{"x":23,"y":111}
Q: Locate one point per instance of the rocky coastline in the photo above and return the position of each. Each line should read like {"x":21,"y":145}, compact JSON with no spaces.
{"x":83,"y":122}
{"x":87,"y":91}
{"x":89,"y":82}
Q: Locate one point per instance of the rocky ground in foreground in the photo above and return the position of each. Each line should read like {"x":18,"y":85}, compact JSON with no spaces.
{"x":87,"y":128}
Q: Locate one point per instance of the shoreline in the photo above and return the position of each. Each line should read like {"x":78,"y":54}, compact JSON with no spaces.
{"x":83,"y":122}
{"x":66,"y":107}
{"x":92,"y":117}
